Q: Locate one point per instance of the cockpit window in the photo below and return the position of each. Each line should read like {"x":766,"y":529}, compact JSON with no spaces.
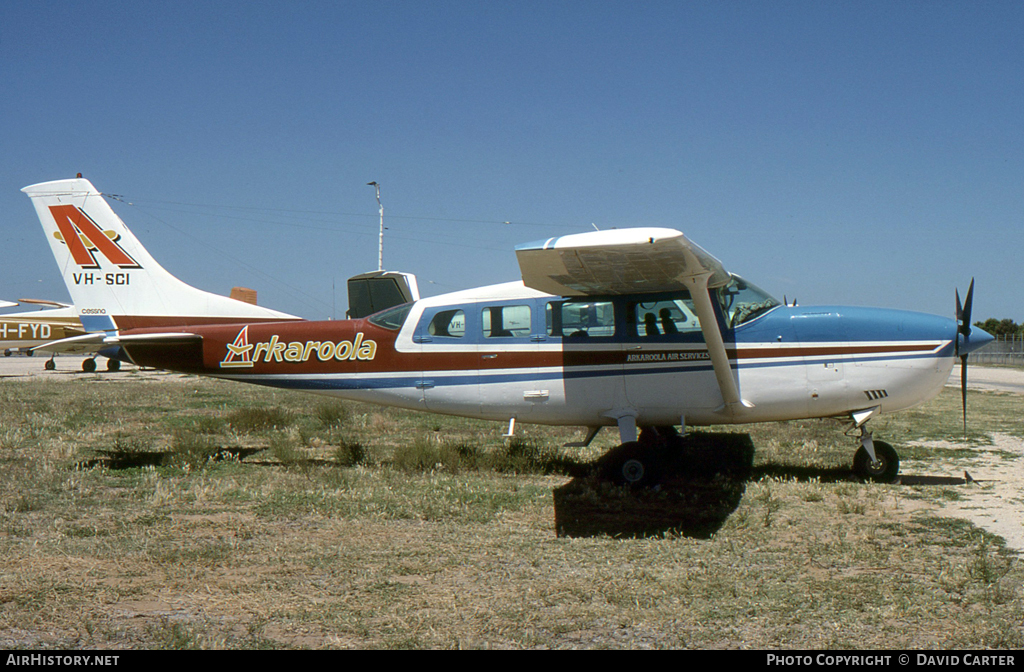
{"x":392,"y":318}
{"x":741,"y":301}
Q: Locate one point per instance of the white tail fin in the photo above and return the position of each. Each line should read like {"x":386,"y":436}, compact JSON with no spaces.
{"x":113,"y":281}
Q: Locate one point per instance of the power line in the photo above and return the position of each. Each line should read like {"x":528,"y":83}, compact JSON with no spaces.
{"x":351,"y":214}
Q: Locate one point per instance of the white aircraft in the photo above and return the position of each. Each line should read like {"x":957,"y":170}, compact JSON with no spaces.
{"x":639,"y":329}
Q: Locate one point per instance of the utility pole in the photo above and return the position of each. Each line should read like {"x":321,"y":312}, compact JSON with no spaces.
{"x":380,"y":240}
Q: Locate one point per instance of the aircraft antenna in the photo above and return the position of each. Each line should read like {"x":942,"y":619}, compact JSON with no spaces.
{"x":380,"y":239}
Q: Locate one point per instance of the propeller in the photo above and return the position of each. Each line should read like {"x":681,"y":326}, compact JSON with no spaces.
{"x":963,"y":318}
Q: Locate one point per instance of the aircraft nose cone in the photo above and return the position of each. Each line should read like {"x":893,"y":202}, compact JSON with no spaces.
{"x":977,"y":338}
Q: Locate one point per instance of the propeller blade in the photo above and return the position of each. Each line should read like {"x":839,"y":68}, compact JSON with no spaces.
{"x":963,"y":316}
{"x":965,"y":326}
{"x":963,"y":389}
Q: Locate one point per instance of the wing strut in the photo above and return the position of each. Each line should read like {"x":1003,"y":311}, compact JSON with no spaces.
{"x":734,"y":403}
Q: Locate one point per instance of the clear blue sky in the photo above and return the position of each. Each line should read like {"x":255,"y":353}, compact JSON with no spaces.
{"x":865,"y":152}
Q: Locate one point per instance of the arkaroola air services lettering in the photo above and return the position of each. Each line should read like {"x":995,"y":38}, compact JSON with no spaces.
{"x":241,"y":353}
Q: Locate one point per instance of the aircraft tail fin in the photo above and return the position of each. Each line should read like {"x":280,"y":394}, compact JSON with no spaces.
{"x":113,"y":280}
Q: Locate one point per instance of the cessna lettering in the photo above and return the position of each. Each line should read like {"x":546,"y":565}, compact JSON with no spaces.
{"x":241,"y":353}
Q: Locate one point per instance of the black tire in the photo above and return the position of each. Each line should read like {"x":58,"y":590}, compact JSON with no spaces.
{"x":113,"y":365}
{"x":89,"y":365}
{"x":885,"y":471}
{"x":632,"y":464}
{"x":50,"y":365}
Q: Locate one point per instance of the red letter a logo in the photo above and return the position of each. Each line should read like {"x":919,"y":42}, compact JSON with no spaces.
{"x":76,"y":228}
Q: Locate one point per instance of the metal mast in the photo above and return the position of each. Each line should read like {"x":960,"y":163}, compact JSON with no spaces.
{"x":380,"y":240}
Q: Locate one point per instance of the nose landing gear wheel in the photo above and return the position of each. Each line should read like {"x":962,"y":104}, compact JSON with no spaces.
{"x":883,"y":471}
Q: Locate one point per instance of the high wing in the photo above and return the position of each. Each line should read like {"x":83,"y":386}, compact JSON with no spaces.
{"x":44,"y":302}
{"x":636,"y":261}
{"x":618,"y":261}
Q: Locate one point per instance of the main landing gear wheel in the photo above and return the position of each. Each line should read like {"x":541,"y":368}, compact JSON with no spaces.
{"x":633,"y":464}
{"x":113,"y":365}
{"x":89,"y":365}
{"x":883,"y":471}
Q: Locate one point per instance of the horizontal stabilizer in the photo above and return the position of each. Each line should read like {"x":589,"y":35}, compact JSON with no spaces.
{"x":76,"y":345}
{"x":169,"y":338}
{"x":89,"y":343}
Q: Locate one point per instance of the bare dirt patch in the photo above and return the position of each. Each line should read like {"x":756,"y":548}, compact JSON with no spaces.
{"x":993,"y":498}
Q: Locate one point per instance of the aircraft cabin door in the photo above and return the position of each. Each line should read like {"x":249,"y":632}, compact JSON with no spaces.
{"x":510,"y":385}
{"x":449,"y":376}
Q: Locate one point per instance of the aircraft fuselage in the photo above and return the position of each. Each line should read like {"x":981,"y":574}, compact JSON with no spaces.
{"x":508,"y":351}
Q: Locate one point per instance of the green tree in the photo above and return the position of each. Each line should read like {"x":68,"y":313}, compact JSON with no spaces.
{"x":1004,"y":327}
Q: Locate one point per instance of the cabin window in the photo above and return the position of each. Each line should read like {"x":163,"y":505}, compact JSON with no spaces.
{"x":506,"y":321}
{"x":663,"y":318}
{"x":449,"y":323}
{"x":577,"y":319}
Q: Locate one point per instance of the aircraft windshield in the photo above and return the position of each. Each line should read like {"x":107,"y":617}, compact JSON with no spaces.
{"x":741,"y":301}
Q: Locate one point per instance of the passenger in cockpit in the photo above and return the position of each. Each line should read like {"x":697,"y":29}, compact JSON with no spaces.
{"x":651,"y":325}
{"x":668,"y":325}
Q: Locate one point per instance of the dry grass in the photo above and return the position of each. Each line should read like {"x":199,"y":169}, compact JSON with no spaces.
{"x":352,"y":526}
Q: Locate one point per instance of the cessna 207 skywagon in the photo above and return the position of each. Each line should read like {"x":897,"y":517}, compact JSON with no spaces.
{"x":640,"y":329}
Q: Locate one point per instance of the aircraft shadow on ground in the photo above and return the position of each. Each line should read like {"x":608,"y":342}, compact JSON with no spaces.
{"x":125,"y":459}
{"x":702,"y":483}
